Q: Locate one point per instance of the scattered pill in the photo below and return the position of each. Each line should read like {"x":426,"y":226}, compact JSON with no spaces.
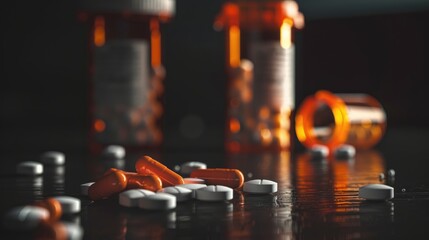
{"x":158,"y":201}
{"x":381,"y":177}
{"x":232,"y":178}
{"x":319,"y":151}
{"x":147,"y":165}
{"x":194,"y":181}
{"x":391,"y":173}
{"x":29,"y":168}
{"x":53,"y":206}
{"x":193,"y":187}
{"x":107,"y":185}
{"x":53,"y":158}
{"x":130,"y":198}
{"x":181,"y":193}
{"x":25,"y":217}
{"x":150,"y":182}
{"x":376,"y":192}
{"x":114,"y":152}
{"x":214,"y":193}
{"x":345,"y":151}
{"x":69,"y":205}
{"x":84,"y":188}
{"x":260,"y":186}
{"x":188,"y":167}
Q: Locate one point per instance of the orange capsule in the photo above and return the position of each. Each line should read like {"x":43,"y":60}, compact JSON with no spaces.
{"x":107,"y":185}
{"x":54,"y":230}
{"x":53,"y":206}
{"x":135,"y":180}
{"x":148,"y":165}
{"x":232,"y":178}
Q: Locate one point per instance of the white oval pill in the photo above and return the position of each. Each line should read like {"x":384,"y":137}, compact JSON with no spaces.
{"x":181,"y":193}
{"x":260,"y":186}
{"x":193,"y":187}
{"x":114,"y":152}
{"x":345,"y":151}
{"x":53,"y":158}
{"x":84,"y":188}
{"x":131,"y":198}
{"x":74,"y":231}
{"x":158,"y":201}
{"x":69,"y":204}
{"x":214,"y":193}
{"x":187,"y":167}
{"x":25,"y":217}
{"x":376,"y":192}
{"x":319,"y":151}
{"x":194,"y":181}
{"x":29,"y":168}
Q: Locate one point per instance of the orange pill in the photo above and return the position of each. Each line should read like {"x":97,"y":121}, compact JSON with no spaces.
{"x":53,"y":206}
{"x":135,"y":180}
{"x":150,"y":182}
{"x":148,"y":165}
{"x":232,"y":178}
{"x":107,"y":185}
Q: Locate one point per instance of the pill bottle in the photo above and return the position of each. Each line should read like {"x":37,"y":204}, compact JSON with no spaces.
{"x":260,"y":63}
{"x":332,"y":119}
{"x":126,"y":71}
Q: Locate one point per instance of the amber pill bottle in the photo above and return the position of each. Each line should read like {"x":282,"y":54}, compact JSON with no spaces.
{"x":126,"y":71}
{"x":260,"y":63}
{"x":332,"y":119}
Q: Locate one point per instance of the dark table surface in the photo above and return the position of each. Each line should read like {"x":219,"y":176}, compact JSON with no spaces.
{"x":316,"y":199}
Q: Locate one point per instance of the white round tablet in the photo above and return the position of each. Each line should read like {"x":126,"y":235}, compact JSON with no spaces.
{"x":131,"y":198}
{"x":29,"y":168}
{"x":376,"y":192}
{"x":187,"y":167}
{"x":193,"y":187}
{"x":114,"y":152}
{"x":84,"y":188}
{"x":214,"y":193}
{"x":181,"y":193}
{"x":319,"y":151}
{"x":69,"y":204}
{"x":345,"y":151}
{"x":25,"y":217}
{"x":74,"y":231}
{"x":158,"y":201}
{"x":194,"y":181}
{"x":53,"y":158}
{"x":260,"y":186}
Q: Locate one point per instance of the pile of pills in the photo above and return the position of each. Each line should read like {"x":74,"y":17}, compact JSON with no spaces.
{"x":43,"y":217}
{"x":153,"y":186}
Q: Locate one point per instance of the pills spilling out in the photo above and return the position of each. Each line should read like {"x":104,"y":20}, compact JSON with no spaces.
{"x":113,"y":152}
{"x":345,"y":151}
{"x":69,"y":204}
{"x":260,"y":186}
{"x":376,"y":192}
{"x":53,"y":158}
{"x":181,"y":193}
{"x":131,"y":198}
{"x":29,"y":168}
{"x":188,"y":167}
{"x":214,"y":193}
{"x":158,"y":201}
{"x":319,"y":151}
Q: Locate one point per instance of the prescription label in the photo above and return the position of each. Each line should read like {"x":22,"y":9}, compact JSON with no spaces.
{"x":274,"y":73}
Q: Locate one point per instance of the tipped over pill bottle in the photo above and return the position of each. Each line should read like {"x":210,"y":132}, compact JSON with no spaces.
{"x":332,"y":119}
{"x":260,"y":62}
{"x":126,"y":71}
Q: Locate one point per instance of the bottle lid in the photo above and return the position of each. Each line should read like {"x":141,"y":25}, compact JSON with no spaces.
{"x":151,"y":7}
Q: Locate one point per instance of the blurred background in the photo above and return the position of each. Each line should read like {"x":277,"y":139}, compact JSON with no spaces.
{"x":377,"y":47}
